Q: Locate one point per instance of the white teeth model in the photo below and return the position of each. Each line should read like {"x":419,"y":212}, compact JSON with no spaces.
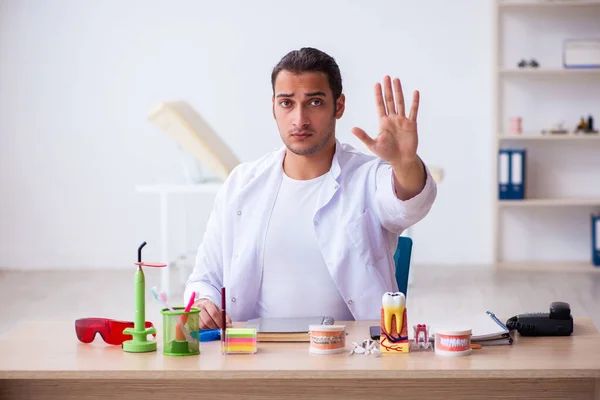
{"x":454,"y":343}
{"x":393,"y":304}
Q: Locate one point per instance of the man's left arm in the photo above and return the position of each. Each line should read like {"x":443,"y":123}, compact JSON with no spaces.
{"x":405,"y":188}
{"x":404,"y":197}
{"x":409,"y":178}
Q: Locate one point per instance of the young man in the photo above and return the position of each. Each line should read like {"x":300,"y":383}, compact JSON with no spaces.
{"x":311,"y":229}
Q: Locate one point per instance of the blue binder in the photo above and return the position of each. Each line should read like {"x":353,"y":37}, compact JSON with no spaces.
{"x":504,"y":174}
{"x":517,"y":174}
{"x":596,"y":240}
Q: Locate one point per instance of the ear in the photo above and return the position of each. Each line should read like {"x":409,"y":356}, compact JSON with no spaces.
{"x":273,"y":106}
{"x":340,"y":106}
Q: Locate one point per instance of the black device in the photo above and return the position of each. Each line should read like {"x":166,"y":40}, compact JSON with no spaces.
{"x":375,"y":332}
{"x":559,"y":322}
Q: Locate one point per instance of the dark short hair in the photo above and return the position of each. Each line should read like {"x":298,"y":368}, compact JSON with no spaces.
{"x":308,"y":59}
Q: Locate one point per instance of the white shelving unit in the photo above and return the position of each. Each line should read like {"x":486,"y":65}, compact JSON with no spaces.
{"x":560,"y":168}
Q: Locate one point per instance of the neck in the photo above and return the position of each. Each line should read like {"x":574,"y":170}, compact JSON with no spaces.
{"x":310,"y":166}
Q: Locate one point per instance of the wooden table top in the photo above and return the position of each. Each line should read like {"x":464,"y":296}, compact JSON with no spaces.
{"x":52,"y":351}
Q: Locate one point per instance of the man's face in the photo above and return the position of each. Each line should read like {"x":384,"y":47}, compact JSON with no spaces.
{"x":305,"y":111}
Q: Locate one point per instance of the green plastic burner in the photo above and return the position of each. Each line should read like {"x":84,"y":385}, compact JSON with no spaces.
{"x":139,"y":342}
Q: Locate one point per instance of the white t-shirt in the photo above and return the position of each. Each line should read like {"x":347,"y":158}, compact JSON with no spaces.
{"x":296,"y":281}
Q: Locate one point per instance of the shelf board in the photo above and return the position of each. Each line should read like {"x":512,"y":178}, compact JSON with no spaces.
{"x":555,"y":266}
{"x":557,"y":202}
{"x":550,"y":71}
{"x":548,"y":137}
{"x":548,"y":3}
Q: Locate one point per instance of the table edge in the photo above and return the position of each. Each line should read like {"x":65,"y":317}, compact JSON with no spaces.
{"x":298,"y":375}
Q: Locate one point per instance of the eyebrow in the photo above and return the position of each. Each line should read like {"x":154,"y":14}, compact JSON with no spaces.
{"x":305,"y":94}
{"x":315,"y":94}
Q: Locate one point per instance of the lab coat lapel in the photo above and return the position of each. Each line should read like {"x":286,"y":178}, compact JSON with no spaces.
{"x":330,"y":185}
{"x":323,"y":218}
{"x":255,"y":202}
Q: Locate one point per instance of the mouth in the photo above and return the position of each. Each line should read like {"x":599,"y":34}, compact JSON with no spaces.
{"x":393,"y":306}
{"x":301,"y":135}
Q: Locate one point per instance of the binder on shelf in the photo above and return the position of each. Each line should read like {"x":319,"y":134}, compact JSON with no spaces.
{"x":596,"y":240}
{"x":517,"y":174}
{"x":504,"y":174}
{"x":511,"y":174}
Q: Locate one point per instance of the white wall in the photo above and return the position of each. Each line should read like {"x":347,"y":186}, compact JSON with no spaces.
{"x":77,"y":79}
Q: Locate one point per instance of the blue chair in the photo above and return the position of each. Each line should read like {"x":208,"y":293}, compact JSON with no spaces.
{"x":402,"y":262}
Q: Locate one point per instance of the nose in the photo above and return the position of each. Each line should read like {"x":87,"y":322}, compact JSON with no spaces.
{"x":301,"y":118}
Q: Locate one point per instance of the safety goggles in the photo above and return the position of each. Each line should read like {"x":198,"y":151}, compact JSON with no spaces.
{"x":110,"y":330}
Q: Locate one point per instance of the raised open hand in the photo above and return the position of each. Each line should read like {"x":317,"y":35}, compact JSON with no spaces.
{"x":397,"y":140}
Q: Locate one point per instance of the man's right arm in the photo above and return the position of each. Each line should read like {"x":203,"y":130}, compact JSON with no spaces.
{"x":207,"y":277}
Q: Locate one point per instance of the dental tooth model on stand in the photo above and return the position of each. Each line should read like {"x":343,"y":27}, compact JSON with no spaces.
{"x":394,"y":331}
{"x":421,"y":335}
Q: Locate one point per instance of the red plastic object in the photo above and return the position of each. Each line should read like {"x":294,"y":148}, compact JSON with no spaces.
{"x":110,"y":330}
{"x":422,"y":335}
{"x":155,"y":265}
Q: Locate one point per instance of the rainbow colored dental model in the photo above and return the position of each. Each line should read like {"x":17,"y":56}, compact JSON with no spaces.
{"x":394,"y":331}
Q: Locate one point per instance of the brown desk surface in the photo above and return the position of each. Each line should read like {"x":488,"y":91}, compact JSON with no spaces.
{"x":52,"y":351}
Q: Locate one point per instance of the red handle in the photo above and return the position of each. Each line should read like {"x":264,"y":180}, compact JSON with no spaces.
{"x":156,"y":265}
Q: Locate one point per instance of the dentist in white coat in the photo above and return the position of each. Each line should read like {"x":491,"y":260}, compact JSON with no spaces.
{"x":311,"y":229}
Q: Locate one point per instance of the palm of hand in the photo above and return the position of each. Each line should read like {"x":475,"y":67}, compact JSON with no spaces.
{"x":397,"y":140}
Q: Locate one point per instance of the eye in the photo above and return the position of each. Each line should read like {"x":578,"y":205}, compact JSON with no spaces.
{"x":285,"y":103}
{"x":316,"y":102}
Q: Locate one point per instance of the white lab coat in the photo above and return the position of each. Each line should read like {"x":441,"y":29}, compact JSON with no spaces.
{"x":357,"y":221}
